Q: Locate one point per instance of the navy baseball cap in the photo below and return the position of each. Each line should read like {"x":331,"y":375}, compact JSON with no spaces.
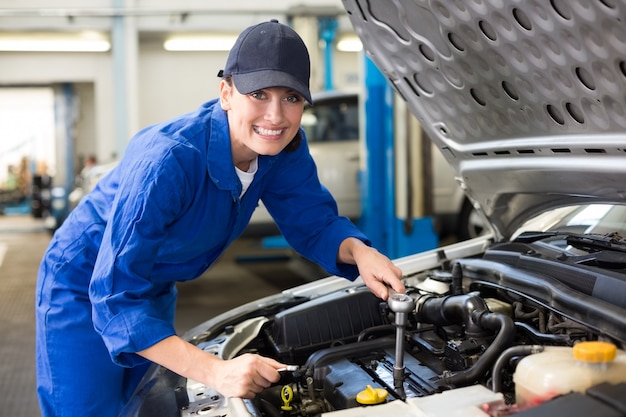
{"x":266,"y":55}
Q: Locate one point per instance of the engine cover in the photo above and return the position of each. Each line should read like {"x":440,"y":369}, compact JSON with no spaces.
{"x":344,"y":371}
{"x":322,"y":322}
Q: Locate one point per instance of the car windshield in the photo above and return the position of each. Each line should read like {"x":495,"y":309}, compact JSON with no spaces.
{"x":596,"y":219}
{"x":332,"y":120}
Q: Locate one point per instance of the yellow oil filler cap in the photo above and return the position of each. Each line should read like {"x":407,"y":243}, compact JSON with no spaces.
{"x":286,"y":394}
{"x":595,"y":352}
{"x":371,"y":396}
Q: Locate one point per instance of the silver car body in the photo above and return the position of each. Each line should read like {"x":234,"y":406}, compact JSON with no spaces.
{"x":524,"y":100}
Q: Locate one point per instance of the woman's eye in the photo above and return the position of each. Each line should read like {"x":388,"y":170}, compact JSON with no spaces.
{"x":293,"y":98}
{"x":259,"y":95}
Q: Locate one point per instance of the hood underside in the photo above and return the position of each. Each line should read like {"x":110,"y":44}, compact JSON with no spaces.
{"x":525,"y":99}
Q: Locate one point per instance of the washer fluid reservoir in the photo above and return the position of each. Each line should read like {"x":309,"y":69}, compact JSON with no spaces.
{"x":560,"y":370}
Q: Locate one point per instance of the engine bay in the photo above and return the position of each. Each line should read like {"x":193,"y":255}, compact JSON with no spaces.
{"x":494,"y":334}
{"x":455,"y":337}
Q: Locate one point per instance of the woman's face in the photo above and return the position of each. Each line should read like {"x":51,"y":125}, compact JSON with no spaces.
{"x":262,"y":122}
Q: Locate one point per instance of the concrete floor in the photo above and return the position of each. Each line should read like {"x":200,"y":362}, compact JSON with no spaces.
{"x":244,"y":273}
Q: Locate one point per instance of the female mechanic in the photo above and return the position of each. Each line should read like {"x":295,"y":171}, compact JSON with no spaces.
{"x":183,"y":191}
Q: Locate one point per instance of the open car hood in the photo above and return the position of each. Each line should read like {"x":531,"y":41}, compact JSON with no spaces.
{"x":526,"y":100}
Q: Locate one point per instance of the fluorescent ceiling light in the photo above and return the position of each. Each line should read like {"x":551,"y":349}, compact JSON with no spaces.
{"x":349,"y":43}
{"x":200,"y":43}
{"x":54,"y":42}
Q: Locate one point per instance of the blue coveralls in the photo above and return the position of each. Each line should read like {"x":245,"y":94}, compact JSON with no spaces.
{"x":106,"y":285}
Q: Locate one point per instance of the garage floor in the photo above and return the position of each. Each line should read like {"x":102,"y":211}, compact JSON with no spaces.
{"x":245,"y":272}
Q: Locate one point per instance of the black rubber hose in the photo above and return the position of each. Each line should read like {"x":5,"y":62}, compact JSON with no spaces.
{"x":539,"y":337}
{"x":505,"y":357}
{"x":453,"y":309}
{"x":317,"y":361}
{"x":506,"y":334}
{"x":457,"y":279}
{"x":270,"y":409}
{"x":376,"y":331}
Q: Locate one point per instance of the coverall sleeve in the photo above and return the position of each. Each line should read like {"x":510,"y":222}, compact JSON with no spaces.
{"x":306,"y":213}
{"x":132,"y":310}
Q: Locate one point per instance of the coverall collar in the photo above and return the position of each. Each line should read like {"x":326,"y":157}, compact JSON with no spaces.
{"x":219,"y":150}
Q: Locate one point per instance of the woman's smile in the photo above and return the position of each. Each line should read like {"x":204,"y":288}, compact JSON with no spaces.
{"x":267,"y":132}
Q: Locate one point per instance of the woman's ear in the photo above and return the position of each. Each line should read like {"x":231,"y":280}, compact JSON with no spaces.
{"x":225,"y":93}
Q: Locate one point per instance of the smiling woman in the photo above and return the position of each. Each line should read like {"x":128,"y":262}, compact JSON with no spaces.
{"x":184,"y":190}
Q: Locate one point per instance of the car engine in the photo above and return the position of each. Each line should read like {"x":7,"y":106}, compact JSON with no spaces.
{"x":454,"y":341}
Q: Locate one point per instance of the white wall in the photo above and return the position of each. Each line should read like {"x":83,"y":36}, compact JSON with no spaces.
{"x":171,"y":83}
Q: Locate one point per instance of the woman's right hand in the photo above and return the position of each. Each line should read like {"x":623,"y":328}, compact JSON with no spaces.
{"x":244,"y":376}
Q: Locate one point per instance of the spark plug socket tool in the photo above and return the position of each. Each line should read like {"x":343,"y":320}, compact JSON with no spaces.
{"x":401,"y":305}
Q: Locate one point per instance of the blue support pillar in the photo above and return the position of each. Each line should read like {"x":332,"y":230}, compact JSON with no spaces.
{"x":327,"y":33}
{"x":387,"y":232}
{"x":378,"y":178}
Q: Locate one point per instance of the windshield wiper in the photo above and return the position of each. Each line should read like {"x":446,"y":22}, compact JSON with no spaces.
{"x":593,"y":242}
{"x":589,"y":242}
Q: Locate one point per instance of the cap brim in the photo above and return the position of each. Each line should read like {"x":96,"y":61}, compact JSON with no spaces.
{"x":258,"y":80}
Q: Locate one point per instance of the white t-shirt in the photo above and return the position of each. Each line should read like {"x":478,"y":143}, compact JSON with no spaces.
{"x":246,"y":177}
